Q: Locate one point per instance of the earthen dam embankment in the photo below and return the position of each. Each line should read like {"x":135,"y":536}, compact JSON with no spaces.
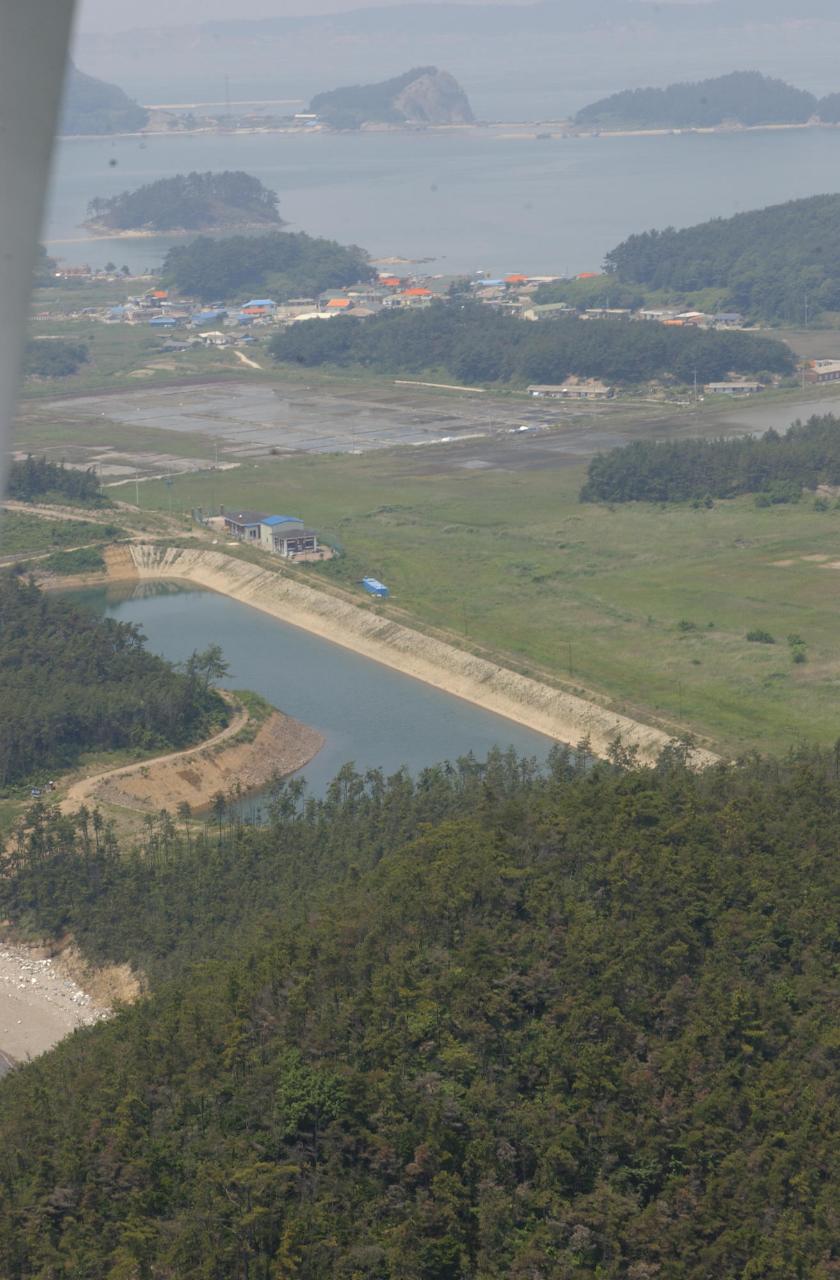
{"x":563,"y":716}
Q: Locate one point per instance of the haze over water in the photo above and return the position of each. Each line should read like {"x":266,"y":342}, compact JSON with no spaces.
{"x":469,"y":200}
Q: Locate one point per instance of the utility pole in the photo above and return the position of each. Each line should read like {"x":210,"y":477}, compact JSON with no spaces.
{"x":695,"y":389}
{"x":137,"y":490}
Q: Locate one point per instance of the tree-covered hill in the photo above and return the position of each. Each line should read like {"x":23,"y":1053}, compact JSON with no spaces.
{"x":92,"y":106}
{"x":423,"y":95}
{"x":541,"y":1029}
{"x":743,"y":97}
{"x":189,"y":202}
{"x":280,"y":264}
{"x":71,"y":682}
{"x":780,"y":263}
{"x":474,"y":344}
{"x":780,"y":466}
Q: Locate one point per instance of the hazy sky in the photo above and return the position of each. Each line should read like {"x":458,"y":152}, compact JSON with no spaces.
{"x":123,"y":15}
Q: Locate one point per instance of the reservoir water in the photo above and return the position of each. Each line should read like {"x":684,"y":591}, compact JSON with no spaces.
{"x":470,"y":200}
{"x":368,"y":714}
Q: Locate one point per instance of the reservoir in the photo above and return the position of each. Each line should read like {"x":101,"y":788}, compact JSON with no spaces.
{"x":367,"y":713}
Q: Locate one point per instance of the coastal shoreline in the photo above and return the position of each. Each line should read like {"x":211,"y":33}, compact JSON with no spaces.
{"x":554,"y":130}
{"x":564,"y":717}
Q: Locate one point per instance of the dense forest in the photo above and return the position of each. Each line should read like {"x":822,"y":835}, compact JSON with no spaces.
{"x":492,"y":1023}
{"x":475,"y":344}
{"x":71,"y":682}
{"x":779,"y":466}
{"x":780,"y":263}
{"x":423,"y":94}
{"x":92,"y":106}
{"x":280,"y":264}
{"x":191,"y":202}
{"x":744,"y":97}
{"x":36,"y":478}
{"x":54,"y":357}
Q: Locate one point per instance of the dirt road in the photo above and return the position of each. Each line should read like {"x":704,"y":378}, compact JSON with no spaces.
{"x":82,"y":791}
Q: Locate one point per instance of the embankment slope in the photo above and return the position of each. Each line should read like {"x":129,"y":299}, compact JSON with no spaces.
{"x":539,"y":706}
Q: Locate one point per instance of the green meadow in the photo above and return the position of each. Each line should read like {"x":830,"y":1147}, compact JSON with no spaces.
{"x":646,"y":606}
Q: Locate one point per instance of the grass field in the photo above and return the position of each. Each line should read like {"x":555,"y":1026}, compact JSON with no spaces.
{"x":21,"y":533}
{"x":648,"y":605}
{"x":126,"y":355}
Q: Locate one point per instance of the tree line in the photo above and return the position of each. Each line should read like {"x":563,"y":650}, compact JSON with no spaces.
{"x":280,"y":264}
{"x":494,"y":1021}
{"x":54,"y":357}
{"x":473,"y":343}
{"x":72,"y":682}
{"x":780,"y":465}
{"x":781,"y":263}
{"x":191,"y":201}
{"x":30,"y":478}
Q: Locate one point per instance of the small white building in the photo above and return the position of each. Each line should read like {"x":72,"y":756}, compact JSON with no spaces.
{"x":574,"y":389}
{"x":741,"y":388}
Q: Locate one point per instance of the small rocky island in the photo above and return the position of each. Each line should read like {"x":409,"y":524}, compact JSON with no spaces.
{"x":423,"y":95}
{"x":229,"y":201}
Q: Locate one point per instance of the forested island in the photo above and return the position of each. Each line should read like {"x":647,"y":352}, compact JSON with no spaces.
{"x":778,"y":466}
{"x":423,"y":95}
{"x":71,"y":682}
{"x":93,"y":107}
{"x":781,"y":263}
{"x":743,"y":97}
{"x":474,"y":344}
{"x":280,"y":264}
{"x":494,"y":1022}
{"x":187,"y":202}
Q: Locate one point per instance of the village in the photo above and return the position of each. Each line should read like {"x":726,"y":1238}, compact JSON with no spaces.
{"x":185,"y":323}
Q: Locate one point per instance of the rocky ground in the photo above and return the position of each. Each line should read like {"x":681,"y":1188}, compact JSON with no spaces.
{"x":39,"y":1005}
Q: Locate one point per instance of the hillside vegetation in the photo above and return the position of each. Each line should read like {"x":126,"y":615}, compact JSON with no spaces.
{"x":490,"y":1024}
{"x":422,"y":95}
{"x":280,"y":264}
{"x":70,"y":682}
{"x":32,"y":478}
{"x":781,"y":263}
{"x":191,"y":202}
{"x":744,"y":97}
{"x":676,"y":470}
{"x":54,"y":357}
{"x":92,"y":106}
{"x":473,"y":344}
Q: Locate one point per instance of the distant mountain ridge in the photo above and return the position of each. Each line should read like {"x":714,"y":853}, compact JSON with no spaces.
{"x":92,"y":107}
{"x":423,"y":95}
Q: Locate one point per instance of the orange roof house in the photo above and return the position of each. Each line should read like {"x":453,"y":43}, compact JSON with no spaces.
{"x":339,"y":304}
{"x":588,"y":275}
{"x":390,"y":282}
{"x":417,"y":292}
{"x":516,"y":278}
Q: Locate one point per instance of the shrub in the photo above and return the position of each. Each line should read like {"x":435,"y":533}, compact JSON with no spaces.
{"x":760,"y":637}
